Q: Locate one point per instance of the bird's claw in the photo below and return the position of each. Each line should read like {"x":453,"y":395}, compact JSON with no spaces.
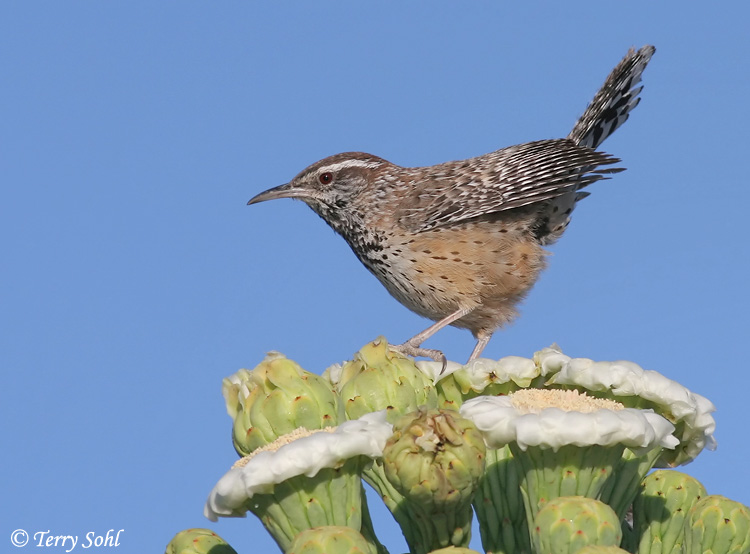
{"x":414,"y":350}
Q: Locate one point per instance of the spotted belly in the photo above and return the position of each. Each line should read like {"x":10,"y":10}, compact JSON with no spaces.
{"x":483,"y":266}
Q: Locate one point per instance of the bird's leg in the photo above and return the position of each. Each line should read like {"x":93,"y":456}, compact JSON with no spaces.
{"x":412,"y":347}
{"x":482,"y":339}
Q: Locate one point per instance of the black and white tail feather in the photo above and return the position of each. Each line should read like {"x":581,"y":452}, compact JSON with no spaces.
{"x":609,"y":109}
{"x":613,"y":103}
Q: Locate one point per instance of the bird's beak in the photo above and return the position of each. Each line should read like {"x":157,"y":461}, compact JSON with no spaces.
{"x":283,"y":191}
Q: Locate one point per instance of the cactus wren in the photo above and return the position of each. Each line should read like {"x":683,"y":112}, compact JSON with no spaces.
{"x":461,"y":242}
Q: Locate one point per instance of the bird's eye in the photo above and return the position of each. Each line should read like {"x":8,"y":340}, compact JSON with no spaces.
{"x":326,"y":177}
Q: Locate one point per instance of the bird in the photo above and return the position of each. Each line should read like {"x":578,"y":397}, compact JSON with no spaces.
{"x":462,"y":242}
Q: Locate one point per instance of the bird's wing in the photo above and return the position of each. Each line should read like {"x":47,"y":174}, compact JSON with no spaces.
{"x":516,"y":176}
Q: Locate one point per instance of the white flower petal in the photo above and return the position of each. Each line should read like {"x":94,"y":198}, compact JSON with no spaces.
{"x":550,"y":359}
{"x":333,"y":374}
{"x":484,"y":371}
{"x":305,"y":456}
{"x":227,"y":497}
{"x":624,"y":379}
{"x":433,"y":369}
{"x":501,"y":423}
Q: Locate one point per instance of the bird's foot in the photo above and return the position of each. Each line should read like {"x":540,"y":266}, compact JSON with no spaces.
{"x":415,"y":350}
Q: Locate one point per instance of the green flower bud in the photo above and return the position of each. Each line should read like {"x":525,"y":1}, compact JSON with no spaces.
{"x":717,"y":525}
{"x":276,"y":398}
{"x":379,"y":378}
{"x":330,"y":540}
{"x":661,"y":508}
{"x":198,"y":541}
{"x":453,"y":389}
{"x":568,"y":523}
{"x":435,"y":460}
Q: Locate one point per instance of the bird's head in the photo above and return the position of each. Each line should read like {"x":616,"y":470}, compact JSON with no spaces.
{"x":332,"y":186}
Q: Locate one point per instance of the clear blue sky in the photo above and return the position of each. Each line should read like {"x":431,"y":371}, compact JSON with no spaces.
{"x":134,"y":278}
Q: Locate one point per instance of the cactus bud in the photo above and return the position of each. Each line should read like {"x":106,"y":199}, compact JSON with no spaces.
{"x":379,"y":378}
{"x":661,"y":508}
{"x":568,"y":523}
{"x":718,"y":525}
{"x":435,"y":459}
{"x":198,"y":541}
{"x":276,"y":398}
{"x":330,"y":540}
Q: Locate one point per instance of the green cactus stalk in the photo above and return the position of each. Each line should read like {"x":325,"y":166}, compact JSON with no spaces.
{"x":276,"y":398}
{"x":629,"y":540}
{"x":331,"y":497}
{"x":198,"y":541}
{"x":566,"y":524}
{"x":623,"y":485}
{"x":368,"y":529}
{"x":330,"y":540}
{"x":717,"y":525}
{"x":435,"y":459}
{"x":572,"y":470}
{"x":499,"y":505}
{"x":661,"y":509}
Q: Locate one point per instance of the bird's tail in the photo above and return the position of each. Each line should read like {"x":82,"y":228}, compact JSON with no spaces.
{"x":612,"y":104}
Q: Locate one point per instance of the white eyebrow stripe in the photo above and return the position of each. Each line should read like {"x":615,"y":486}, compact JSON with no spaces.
{"x":350,"y":163}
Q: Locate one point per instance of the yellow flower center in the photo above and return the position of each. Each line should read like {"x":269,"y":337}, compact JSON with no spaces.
{"x":533,"y":401}
{"x":298,"y":433}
